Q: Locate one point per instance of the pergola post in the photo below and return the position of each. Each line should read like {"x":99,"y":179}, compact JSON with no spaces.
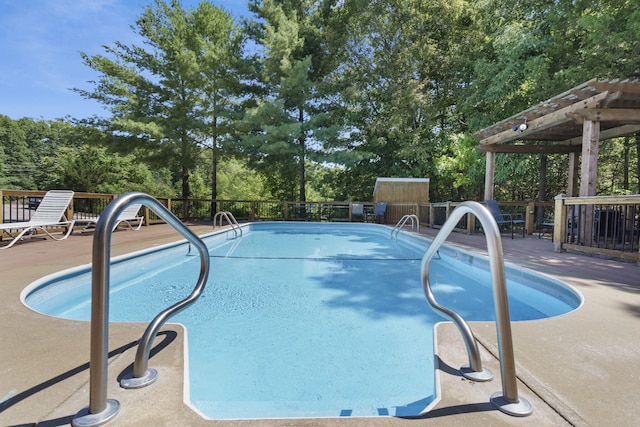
{"x":489,"y":175}
{"x":589,"y":174}
{"x":572,"y":179}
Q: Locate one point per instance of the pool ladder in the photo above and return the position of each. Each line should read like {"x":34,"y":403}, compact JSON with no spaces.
{"x":101,"y":409}
{"x":415,"y":222}
{"x":508,"y":401}
{"x":219,"y":216}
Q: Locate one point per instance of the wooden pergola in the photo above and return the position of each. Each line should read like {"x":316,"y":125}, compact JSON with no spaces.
{"x":572,"y":123}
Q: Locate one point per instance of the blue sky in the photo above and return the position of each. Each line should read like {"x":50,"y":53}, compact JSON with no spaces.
{"x":40,"y":41}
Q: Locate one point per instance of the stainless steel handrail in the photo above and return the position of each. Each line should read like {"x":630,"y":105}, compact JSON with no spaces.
{"x":414,"y":221}
{"x":509,"y":401}
{"x":230,"y":219}
{"x":100,"y":408}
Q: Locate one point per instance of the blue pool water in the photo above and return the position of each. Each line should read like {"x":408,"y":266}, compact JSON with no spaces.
{"x":305,"y":320}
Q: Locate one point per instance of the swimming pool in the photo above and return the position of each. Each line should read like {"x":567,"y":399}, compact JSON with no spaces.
{"x":305,"y":320}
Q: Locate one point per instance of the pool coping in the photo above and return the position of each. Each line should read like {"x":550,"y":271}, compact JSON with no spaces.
{"x":47,"y":381}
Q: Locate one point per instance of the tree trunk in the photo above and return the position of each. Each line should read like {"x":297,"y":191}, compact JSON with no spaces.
{"x":542,"y":185}
{"x":625,"y":169}
{"x":303,"y":195}
{"x":186,"y":192}
{"x":214,"y":182}
{"x":214,"y":165}
{"x":637,"y":135}
{"x":542,"y":188}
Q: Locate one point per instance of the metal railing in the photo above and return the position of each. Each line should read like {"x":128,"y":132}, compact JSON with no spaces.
{"x":101,"y":409}
{"x":219,"y":216}
{"x":415,"y":224}
{"x":508,"y":401}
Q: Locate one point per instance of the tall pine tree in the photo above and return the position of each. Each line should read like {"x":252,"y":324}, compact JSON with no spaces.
{"x":165,"y":95}
{"x":292,"y":123}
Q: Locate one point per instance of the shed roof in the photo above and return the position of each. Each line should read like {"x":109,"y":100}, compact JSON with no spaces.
{"x":381,"y":181}
{"x":555,"y":125}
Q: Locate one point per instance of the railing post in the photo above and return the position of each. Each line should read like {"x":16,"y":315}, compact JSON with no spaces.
{"x":432,"y":211}
{"x":69,"y":212}
{"x":559,"y":223}
{"x":530,"y":217}
{"x":586,"y":224}
{"x":145,"y":215}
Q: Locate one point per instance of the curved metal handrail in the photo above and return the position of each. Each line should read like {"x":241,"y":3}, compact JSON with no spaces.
{"x":508,"y":401}
{"x":414,"y":221}
{"x":100,"y":408}
{"x":230,"y":219}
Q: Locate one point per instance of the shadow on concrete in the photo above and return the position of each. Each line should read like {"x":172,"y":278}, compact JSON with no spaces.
{"x":169,"y":337}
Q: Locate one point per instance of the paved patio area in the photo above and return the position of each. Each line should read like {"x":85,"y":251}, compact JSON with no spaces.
{"x":577,"y":369}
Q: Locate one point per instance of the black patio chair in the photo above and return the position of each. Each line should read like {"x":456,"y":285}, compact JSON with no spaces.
{"x":510,"y":220}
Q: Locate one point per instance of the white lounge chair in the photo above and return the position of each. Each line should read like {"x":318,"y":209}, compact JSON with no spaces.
{"x":128,"y":216}
{"x":49,"y":213}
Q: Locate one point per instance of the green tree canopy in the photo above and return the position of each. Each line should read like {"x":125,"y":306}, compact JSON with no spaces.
{"x":334,"y":93}
{"x":293,"y":123}
{"x":162,"y":95}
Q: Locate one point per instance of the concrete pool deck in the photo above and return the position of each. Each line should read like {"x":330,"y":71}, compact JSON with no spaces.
{"x":577,"y":369}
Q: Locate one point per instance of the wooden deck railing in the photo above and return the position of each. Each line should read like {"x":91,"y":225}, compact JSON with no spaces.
{"x":602,"y":225}
{"x":607,"y":225}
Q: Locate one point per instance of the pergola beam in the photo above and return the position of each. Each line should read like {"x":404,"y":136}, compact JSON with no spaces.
{"x":546,"y":121}
{"x":611,"y":115}
{"x":607,"y":134}
{"x":625,"y":86}
{"x":530,"y":149}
